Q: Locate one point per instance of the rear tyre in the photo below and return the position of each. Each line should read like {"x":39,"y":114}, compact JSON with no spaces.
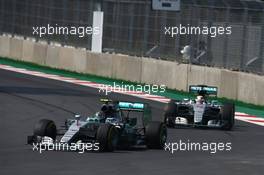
{"x":156,"y":135}
{"x":107,"y":137}
{"x":45,"y":127}
{"x":228,"y":116}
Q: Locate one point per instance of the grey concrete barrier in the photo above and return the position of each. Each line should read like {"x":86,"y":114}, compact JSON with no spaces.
{"x":179,"y":77}
{"x":149,"y":70}
{"x":170,"y":74}
{"x":79,"y":60}
{"x":66,"y":58}
{"x":203,"y":75}
{"x":28,"y":50}
{"x":127,"y":68}
{"x":259,"y":90}
{"x":5,"y":46}
{"x":52,"y":59}
{"x":228,"y":84}
{"x":196,"y":75}
{"x":16,"y":48}
{"x":40,"y":53}
{"x":99,"y":64}
{"x":165,"y":73}
{"x":250,"y":88}
{"x":212,"y":76}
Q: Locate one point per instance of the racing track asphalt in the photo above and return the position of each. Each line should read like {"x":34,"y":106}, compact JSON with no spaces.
{"x":26,"y":99}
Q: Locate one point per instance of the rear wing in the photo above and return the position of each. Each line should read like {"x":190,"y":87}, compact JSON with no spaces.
{"x":203,"y":90}
{"x":127,"y":106}
{"x":143,"y":108}
{"x":131,"y":106}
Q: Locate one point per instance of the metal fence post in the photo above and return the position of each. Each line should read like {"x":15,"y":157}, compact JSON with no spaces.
{"x":37,"y":9}
{"x":227,"y":14}
{"x":209,"y":38}
{"x":13,"y":25}
{"x":117,"y":22}
{"x":131,"y":23}
{"x":261,"y":50}
{"x":50,"y":4}
{"x":162,"y":36}
{"x":177,"y":41}
{"x":26,"y":19}
{"x":65,"y":37}
{"x":2,"y":17}
{"x":146,"y":27}
{"x":193,"y":38}
{"x":90,"y":22}
{"x":244,"y":45}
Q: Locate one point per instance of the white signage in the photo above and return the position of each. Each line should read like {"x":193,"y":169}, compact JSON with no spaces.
{"x":170,"y":5}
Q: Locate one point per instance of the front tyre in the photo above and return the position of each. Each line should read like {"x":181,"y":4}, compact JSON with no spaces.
{"x":170,"y":112}
{"x":169,"y":121}
{"x":156,"y":135}
{"x":45,"y":127}
{"x":107,"y":137}
{"x":228,"y":116}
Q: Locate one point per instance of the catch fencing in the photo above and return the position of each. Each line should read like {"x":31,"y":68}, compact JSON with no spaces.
{"x":132,"y":27}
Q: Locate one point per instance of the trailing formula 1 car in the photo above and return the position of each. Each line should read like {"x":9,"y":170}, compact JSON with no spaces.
{"x":117,"y":125}
{"x":200,"y":112}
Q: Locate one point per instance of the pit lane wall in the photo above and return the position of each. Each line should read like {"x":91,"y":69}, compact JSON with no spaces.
{"x":233,"y":85}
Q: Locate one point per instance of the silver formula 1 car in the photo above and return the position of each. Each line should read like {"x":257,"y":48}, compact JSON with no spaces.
{"x":116,"y":125}
{"x":200,"y":112}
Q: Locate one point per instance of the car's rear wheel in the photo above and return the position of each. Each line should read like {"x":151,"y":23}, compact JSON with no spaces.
{"x":45,"y":127}
{"x":156,"y":135}
{"x":228,"y":116}
{"x":107,"y":137}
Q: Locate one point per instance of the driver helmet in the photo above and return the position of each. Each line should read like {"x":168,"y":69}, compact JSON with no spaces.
{"x":108,"y":110}
{"x":200,"y":99}
{"x":99,"y":114}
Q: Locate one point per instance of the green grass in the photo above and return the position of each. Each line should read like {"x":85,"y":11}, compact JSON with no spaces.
{"x":170,"y":93}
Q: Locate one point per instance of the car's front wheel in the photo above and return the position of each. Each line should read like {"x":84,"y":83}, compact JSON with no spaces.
{"x":45,"y":127}
{"x":169,"y":121}
{"x":156,"y":135}
{"x":228,"y":116}
{"x":107,"y":137}
{"x":170,"y":112}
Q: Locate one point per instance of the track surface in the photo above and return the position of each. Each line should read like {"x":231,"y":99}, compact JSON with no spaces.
{"x":26,"y":99}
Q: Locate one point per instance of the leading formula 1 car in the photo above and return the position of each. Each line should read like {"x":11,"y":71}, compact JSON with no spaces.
{"x":117,"y":125}
{"x":200,"y":112}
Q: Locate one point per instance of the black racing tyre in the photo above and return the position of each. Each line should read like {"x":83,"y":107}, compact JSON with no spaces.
{"x":107,"y":137}
{"x":169,"y":121}
{"x":228,"y":115}
{"x":45,"y":127}
{"x":170,"y":113}
{"x":170,"y":108}
{"x":156,"y":135}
